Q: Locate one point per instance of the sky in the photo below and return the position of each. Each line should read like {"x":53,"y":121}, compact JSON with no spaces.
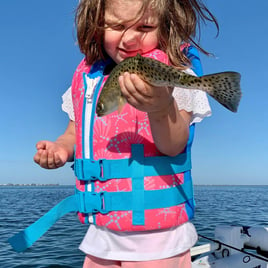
{"x":38,"y":55}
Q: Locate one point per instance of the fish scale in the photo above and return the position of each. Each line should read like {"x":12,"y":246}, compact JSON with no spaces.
{"x":223,"y":87}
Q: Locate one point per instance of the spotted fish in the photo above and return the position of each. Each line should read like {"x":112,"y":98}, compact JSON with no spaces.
{"x":223,"y":87}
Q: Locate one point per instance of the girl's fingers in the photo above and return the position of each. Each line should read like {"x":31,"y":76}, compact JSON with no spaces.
{"x":45,"y":159}
{"x":142,"y":96}
{"x":51,"y":160}
{"x":37,"y":157}
{"x":126,"y":85}
{"x":40,"y":145}
{"x":51,"y":156}
{"x":129,"y":83}
{"x":58,"y":160}
{"x":140,"y":86}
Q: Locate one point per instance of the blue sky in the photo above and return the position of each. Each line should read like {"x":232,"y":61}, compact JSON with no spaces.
{"x":38,"y":55}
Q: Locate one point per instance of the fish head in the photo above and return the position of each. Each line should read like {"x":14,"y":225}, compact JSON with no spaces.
{"x":111,"y":98}
{"x":105,"y":107}
{"x":100,"y":109}
{"x":109,"y":102}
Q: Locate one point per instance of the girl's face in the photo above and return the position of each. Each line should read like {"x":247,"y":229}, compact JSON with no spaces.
{"x":124,"y":36}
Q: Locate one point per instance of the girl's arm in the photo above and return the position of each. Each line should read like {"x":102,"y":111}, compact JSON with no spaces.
{"x":169,"y":126}
{"x":170,"y":129}
{"x":52,"y":155}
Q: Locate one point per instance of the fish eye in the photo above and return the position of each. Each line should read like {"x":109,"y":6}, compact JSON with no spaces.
{"x":100,"y":108}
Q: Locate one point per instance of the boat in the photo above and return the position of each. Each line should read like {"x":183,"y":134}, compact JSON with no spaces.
{"x":233,"y":247}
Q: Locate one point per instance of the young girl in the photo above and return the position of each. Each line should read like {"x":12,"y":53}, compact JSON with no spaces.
{"x":159,"y":118}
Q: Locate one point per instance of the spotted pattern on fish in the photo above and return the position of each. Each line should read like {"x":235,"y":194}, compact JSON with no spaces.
{"x":223,"y":87}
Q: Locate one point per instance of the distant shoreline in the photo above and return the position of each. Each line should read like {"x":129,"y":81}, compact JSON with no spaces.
{"x":30,"y":184}
{"x":57,"y":184}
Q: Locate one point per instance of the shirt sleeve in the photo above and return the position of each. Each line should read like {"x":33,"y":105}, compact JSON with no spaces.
{"x":192,"y":100}
{"x":67,"y":103}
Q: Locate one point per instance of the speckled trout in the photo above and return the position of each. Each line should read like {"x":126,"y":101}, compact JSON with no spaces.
{"x":223,"y":87}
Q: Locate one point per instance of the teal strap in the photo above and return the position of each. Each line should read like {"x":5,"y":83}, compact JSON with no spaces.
{"x":27,"y":237}
{"x":104,"y":169}
{"x":153,"y":199}
{"x":193,"y":55}
{"x":104,"y":202}
{"x":84,"y":202}
{"x":81,"y":201}
{"x":136,"y":167}
{"x":137,"y":194}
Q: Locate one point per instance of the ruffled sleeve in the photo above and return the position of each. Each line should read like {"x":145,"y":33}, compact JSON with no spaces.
{"x":192,"y":100}
{"x":67,"y":103}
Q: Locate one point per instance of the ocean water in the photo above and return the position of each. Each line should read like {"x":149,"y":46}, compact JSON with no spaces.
{"x":20,"y":206}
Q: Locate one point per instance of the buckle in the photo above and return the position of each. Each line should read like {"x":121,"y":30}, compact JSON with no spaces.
{"x":91,"y":202}
{"x":103,"y":198}
{"x":86,"y":169}
{"x":105,"y":169}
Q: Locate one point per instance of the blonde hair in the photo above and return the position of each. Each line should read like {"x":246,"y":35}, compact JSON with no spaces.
{"x":179,"y":22}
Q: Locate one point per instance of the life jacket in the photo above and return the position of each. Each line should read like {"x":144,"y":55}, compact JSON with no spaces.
{"x":122,"y":181}
{"x":139,"y":188}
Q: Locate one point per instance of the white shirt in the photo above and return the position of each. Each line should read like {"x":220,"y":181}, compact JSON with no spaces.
{"x":150,"y":245}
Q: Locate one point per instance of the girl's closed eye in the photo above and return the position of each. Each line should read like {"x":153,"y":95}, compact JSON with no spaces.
{"x":147,"y":28}
{"x":115,"y":27}
{"x":121,"y":27}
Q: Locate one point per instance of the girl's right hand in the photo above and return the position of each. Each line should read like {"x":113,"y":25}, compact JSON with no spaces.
{"x":50,"y":155}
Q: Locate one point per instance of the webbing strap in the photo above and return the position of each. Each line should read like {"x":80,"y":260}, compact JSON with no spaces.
{"x":104,"y":169}
{"x":153,"y":199}
{"x":24,"y":239}
{"x":136,"y":167}
{"x":137,"y":158}
{"x":193,"y":55}
{"x":104,"y":202}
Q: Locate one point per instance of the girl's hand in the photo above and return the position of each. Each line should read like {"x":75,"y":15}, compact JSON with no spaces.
{"x":55,"y":154}
{"x":169,"y":125}
{"x":50,"y":155}
{"x":143,"y":96}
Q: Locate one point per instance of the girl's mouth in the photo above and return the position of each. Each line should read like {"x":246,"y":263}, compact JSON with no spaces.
{"x":128,"y":53}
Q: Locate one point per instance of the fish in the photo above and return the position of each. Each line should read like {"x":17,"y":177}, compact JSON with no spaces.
{"x":224,"y":87}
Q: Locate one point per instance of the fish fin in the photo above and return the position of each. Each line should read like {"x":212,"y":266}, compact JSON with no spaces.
{"x":121,"y":103}
{"x":224,"y":88}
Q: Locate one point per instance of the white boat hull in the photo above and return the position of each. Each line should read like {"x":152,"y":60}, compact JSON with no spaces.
{"x":227,"y":249}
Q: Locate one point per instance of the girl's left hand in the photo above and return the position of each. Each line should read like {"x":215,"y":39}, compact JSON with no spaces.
{"x":143,"y":96}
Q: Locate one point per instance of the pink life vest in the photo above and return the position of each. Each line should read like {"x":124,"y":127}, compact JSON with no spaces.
{"x":126,"y":183}
{"x":123,"y":181}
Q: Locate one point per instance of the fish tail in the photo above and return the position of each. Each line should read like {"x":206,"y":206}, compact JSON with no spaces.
{"x":224,"y":88}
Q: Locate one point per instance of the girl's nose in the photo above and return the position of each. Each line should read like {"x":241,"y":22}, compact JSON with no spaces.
{"x":130,"y":38}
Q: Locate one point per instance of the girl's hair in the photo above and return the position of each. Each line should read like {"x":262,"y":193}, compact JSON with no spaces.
{"x":179,"y":22}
